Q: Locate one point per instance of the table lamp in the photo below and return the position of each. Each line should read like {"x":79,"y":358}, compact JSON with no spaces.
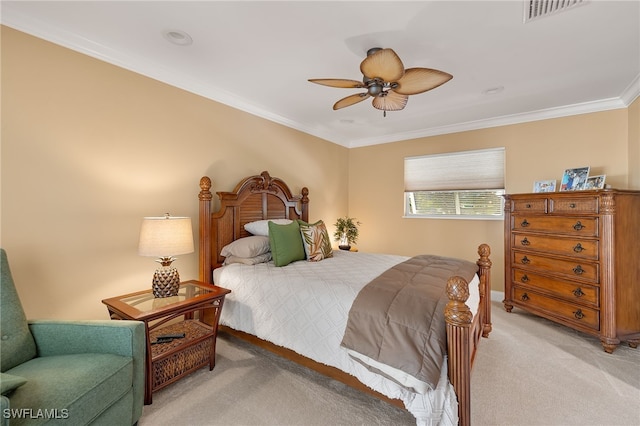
{"x":165,"y":237}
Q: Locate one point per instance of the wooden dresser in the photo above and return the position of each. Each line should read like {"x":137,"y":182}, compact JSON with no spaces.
{"x":574,"y":258}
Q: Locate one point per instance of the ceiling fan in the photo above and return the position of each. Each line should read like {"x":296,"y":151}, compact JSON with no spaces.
{"x":386,"y":81}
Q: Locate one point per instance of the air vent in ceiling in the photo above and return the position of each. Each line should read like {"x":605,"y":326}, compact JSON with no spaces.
{"x":536,"y":9}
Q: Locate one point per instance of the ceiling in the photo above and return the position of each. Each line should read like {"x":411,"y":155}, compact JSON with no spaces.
{"x":257,"y":57}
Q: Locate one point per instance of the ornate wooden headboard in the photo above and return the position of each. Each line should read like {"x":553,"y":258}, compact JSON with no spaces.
{"x":254,"y":198}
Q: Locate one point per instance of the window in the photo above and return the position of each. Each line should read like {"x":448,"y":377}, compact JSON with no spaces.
{"x":467,"y":185}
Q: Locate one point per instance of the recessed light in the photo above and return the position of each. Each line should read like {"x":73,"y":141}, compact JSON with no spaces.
{"x":493,"y":90}
{"x":177,"y":37}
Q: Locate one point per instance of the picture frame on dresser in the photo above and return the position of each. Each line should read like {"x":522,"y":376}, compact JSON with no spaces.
{"x":574,"y":179}
{"x":544,"y":186}
{"x":595,"y":182}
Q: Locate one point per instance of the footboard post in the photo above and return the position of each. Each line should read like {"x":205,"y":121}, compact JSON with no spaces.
{"x":204,"y":216}
{"x":458,"y":317}
{"x":484,"y":272}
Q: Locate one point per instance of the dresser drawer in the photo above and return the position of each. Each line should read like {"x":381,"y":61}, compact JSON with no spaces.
{"x":585,"y":227}
{"x":572,"y":269}
{"x":573,"y":205}
{"x":570,"y":291}
{"x":574,"y":313}
{"x":531,"y":205}
{"x":583,"y":249}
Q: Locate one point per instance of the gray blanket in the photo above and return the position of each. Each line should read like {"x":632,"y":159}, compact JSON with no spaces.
{"x":398,"y":318}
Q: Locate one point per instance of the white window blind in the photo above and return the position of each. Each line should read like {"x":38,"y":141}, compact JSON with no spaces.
{"x":466,"y":184}
{"x":482,"y":169}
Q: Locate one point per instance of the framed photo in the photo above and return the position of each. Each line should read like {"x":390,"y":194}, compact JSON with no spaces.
{"x":595,"y":182}
{"x":544,"y":186}
{"x":574,"y":179}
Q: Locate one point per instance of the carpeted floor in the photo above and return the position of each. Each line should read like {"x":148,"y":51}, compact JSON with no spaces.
{"x":529,"y":372}
{"x":532,"y":371}
{"x":251,"y":386}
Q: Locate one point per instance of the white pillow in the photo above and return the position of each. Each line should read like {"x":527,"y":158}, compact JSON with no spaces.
{"x":248,"y":260}
{"x":261,"y":227}
{"x":247,"y":247}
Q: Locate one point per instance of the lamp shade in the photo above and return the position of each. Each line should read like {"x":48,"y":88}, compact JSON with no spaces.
{"x":165,"y":236}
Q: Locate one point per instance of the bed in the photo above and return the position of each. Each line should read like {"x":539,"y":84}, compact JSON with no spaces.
{"x":313,"y":337}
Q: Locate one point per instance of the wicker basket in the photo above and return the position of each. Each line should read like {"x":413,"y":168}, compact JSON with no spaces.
{"x":180,"y":357}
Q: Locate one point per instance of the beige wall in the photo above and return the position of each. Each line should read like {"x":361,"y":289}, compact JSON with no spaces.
{"x":534,"y":151}
{"x":634,"y":145}
{"x":88,"y":149}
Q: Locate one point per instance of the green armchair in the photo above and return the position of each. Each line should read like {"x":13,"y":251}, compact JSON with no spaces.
{"x":67,"y":372}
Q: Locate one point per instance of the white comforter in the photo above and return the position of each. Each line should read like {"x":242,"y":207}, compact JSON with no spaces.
{"x":304,"y":306}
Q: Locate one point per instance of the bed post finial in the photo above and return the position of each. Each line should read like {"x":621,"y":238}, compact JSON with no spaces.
{"x":484,"y":251}
{"x":457,"y":312}
{"x":205,"y":186}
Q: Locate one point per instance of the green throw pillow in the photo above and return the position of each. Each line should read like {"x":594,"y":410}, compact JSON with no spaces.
{"x":9,"y":382}
{"x":286,"y":243}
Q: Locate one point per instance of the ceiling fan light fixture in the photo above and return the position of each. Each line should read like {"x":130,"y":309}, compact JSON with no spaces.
{"x":375,"y":89}
{"x":390,"y":101}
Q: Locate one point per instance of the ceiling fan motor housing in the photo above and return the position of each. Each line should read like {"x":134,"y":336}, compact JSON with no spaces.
{"x":374,"y":86}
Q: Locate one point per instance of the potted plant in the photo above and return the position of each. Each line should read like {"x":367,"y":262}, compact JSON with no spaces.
{"x":346,"y":232}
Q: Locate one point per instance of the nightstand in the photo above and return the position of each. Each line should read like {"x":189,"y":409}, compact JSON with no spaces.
{"x":179,"y":315}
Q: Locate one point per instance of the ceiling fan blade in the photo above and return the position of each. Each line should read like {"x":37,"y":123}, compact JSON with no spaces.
{"x":391,"y":101}
{"x":419,"y":80}
{"x":350,"y":100}
{"x":337,"y":82}
{"x":383,"y":64}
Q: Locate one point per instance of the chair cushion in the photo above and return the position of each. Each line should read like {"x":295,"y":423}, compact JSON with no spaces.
{"x":16,"y":341}
{"x":79,"y":386}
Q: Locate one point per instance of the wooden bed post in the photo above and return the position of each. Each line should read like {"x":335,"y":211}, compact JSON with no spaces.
{"x":484,"y":251}
{"x":458,"y":317}
{"x":304,"y":204}
{"x":205,"y":229}
{"x":463,"y":330}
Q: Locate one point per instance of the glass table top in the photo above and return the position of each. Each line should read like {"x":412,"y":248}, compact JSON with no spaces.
{"x":146,"y":302}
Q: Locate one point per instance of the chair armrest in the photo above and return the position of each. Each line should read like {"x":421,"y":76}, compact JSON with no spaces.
{"x":54,"y":337}
{"x":123,"y":337}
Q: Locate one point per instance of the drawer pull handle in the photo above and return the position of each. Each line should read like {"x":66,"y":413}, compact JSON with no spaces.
{"x":525,"y":261}
{"x":524,"y":223}
{"x":524,"y":297}
{"x":528,"y":206}
{"x":578,"y":270}
{"x":524,"y":279}
{"x":572,"y":205}
{"x":578,"y":292}
{"x":525,"y":242}
{"x":578,"y":226}
{"x":578,"y":248}
{"x":578,"y":314}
